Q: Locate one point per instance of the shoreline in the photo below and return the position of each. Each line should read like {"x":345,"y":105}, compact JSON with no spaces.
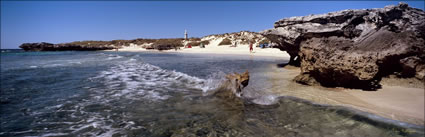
{"x":362,"y":115}
{"x":215,"y":49}
{"x":390,"y":102}
{"x":394,"y":102}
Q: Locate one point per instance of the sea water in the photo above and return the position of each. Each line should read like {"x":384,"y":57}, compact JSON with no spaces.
{"x":158,"y":94}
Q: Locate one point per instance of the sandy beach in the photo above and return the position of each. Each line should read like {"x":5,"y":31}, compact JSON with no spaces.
{"x":397,"y":101}
{"x":214,"y":48}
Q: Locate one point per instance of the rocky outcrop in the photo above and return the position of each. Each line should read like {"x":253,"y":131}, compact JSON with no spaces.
{"x":354,"y":48}
{"x":233,"y":85}
{"x":43,"y":46}
{"x":36,"y":46}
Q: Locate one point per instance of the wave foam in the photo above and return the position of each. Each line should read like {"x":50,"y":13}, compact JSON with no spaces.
{"x":136,"y":78}
{"x":100,"y":111}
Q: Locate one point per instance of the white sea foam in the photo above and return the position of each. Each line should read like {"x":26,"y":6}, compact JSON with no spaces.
{"x":128,"y":81}
{"x":213,"y":81}
{"x":54,"y":134}
{"x":72,"y":62}
{"x":111,"y":57}
{"x":266,"y":100}
{"x":133,"y":78}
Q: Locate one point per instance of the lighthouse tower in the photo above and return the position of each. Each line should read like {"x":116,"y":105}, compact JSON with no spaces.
{"x":185,"y":34}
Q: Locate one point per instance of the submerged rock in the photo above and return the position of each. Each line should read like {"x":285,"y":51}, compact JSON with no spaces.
{"x":354,"y":48}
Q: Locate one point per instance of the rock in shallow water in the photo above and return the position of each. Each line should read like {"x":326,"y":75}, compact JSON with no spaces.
{"x":354,"y":48}
{"x":233,"y":85}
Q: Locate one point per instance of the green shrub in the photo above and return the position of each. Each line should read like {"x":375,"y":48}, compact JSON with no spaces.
{"x":90,"y":43}
{"x":160,"y":44}
{"x":197,"y":43}
{"x":205,"y":42}
{"x":167,"y":44}
{"x":142,"y":41}
{"x":194,"y":39}
{"x":194,"y":43}
{"x":244,"y":42}
{"x":225,"y":41}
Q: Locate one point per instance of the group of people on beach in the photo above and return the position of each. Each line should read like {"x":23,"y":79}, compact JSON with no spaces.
{"x":251,"y":49}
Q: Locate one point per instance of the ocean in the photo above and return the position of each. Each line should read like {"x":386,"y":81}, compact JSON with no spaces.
{"x":77,"y":93}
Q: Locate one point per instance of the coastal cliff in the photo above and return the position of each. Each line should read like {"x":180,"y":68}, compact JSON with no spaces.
{"x":354,"y":48}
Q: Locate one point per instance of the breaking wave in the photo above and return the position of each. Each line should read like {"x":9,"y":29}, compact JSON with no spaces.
{"x":121,"y":86}
{"x":142,"y":80}
{"x":103,"y":110}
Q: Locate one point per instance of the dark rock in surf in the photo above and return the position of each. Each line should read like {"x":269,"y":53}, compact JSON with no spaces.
{"x":354,"y":48}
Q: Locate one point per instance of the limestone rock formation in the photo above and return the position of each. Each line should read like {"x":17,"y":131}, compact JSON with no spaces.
{"x":233,"y":85}
{"x":354,"y":48}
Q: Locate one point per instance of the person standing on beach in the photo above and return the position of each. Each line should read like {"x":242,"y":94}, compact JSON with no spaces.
{"x":250,"y":47}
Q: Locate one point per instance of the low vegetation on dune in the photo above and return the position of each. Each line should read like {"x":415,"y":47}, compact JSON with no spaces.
{"x":194,"y":39}
{"x":198,"y":43}
{"x":160,"y":44}
{"x":232,"y":33}
{"x":120,"y":43}
{"x":225,"y":41}
{"x":167,"y":44}
{"x":141,"y":41}
{"x":246,"y":41}
{"x":264,"y":41}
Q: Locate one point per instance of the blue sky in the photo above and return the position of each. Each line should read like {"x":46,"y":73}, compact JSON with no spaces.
{"x":67,"y":21}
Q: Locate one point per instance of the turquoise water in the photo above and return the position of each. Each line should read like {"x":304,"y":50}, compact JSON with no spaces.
{"x":157,"y":94}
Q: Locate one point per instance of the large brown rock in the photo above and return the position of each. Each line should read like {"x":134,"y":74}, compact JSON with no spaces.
{"x":233,"y":85}
{"x":354,"y":48}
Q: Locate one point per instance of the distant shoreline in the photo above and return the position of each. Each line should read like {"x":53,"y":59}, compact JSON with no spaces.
{"x":211,"y":49}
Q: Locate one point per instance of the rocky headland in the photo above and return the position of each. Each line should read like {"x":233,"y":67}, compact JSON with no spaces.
{"x":354,"y":48}
{"x":44,"y":46}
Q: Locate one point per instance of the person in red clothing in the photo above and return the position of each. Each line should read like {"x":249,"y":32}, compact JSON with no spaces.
{"x":189,"y":46}
{"x":250,"y":47}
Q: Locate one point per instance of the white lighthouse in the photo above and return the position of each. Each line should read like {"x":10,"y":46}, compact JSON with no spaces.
{"x":185,"y":34}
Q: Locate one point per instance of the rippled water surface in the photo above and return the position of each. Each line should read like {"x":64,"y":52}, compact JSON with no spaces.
{"x":157,"y":94}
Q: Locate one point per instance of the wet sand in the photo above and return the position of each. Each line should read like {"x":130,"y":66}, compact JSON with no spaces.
{"x":395,"y":100}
